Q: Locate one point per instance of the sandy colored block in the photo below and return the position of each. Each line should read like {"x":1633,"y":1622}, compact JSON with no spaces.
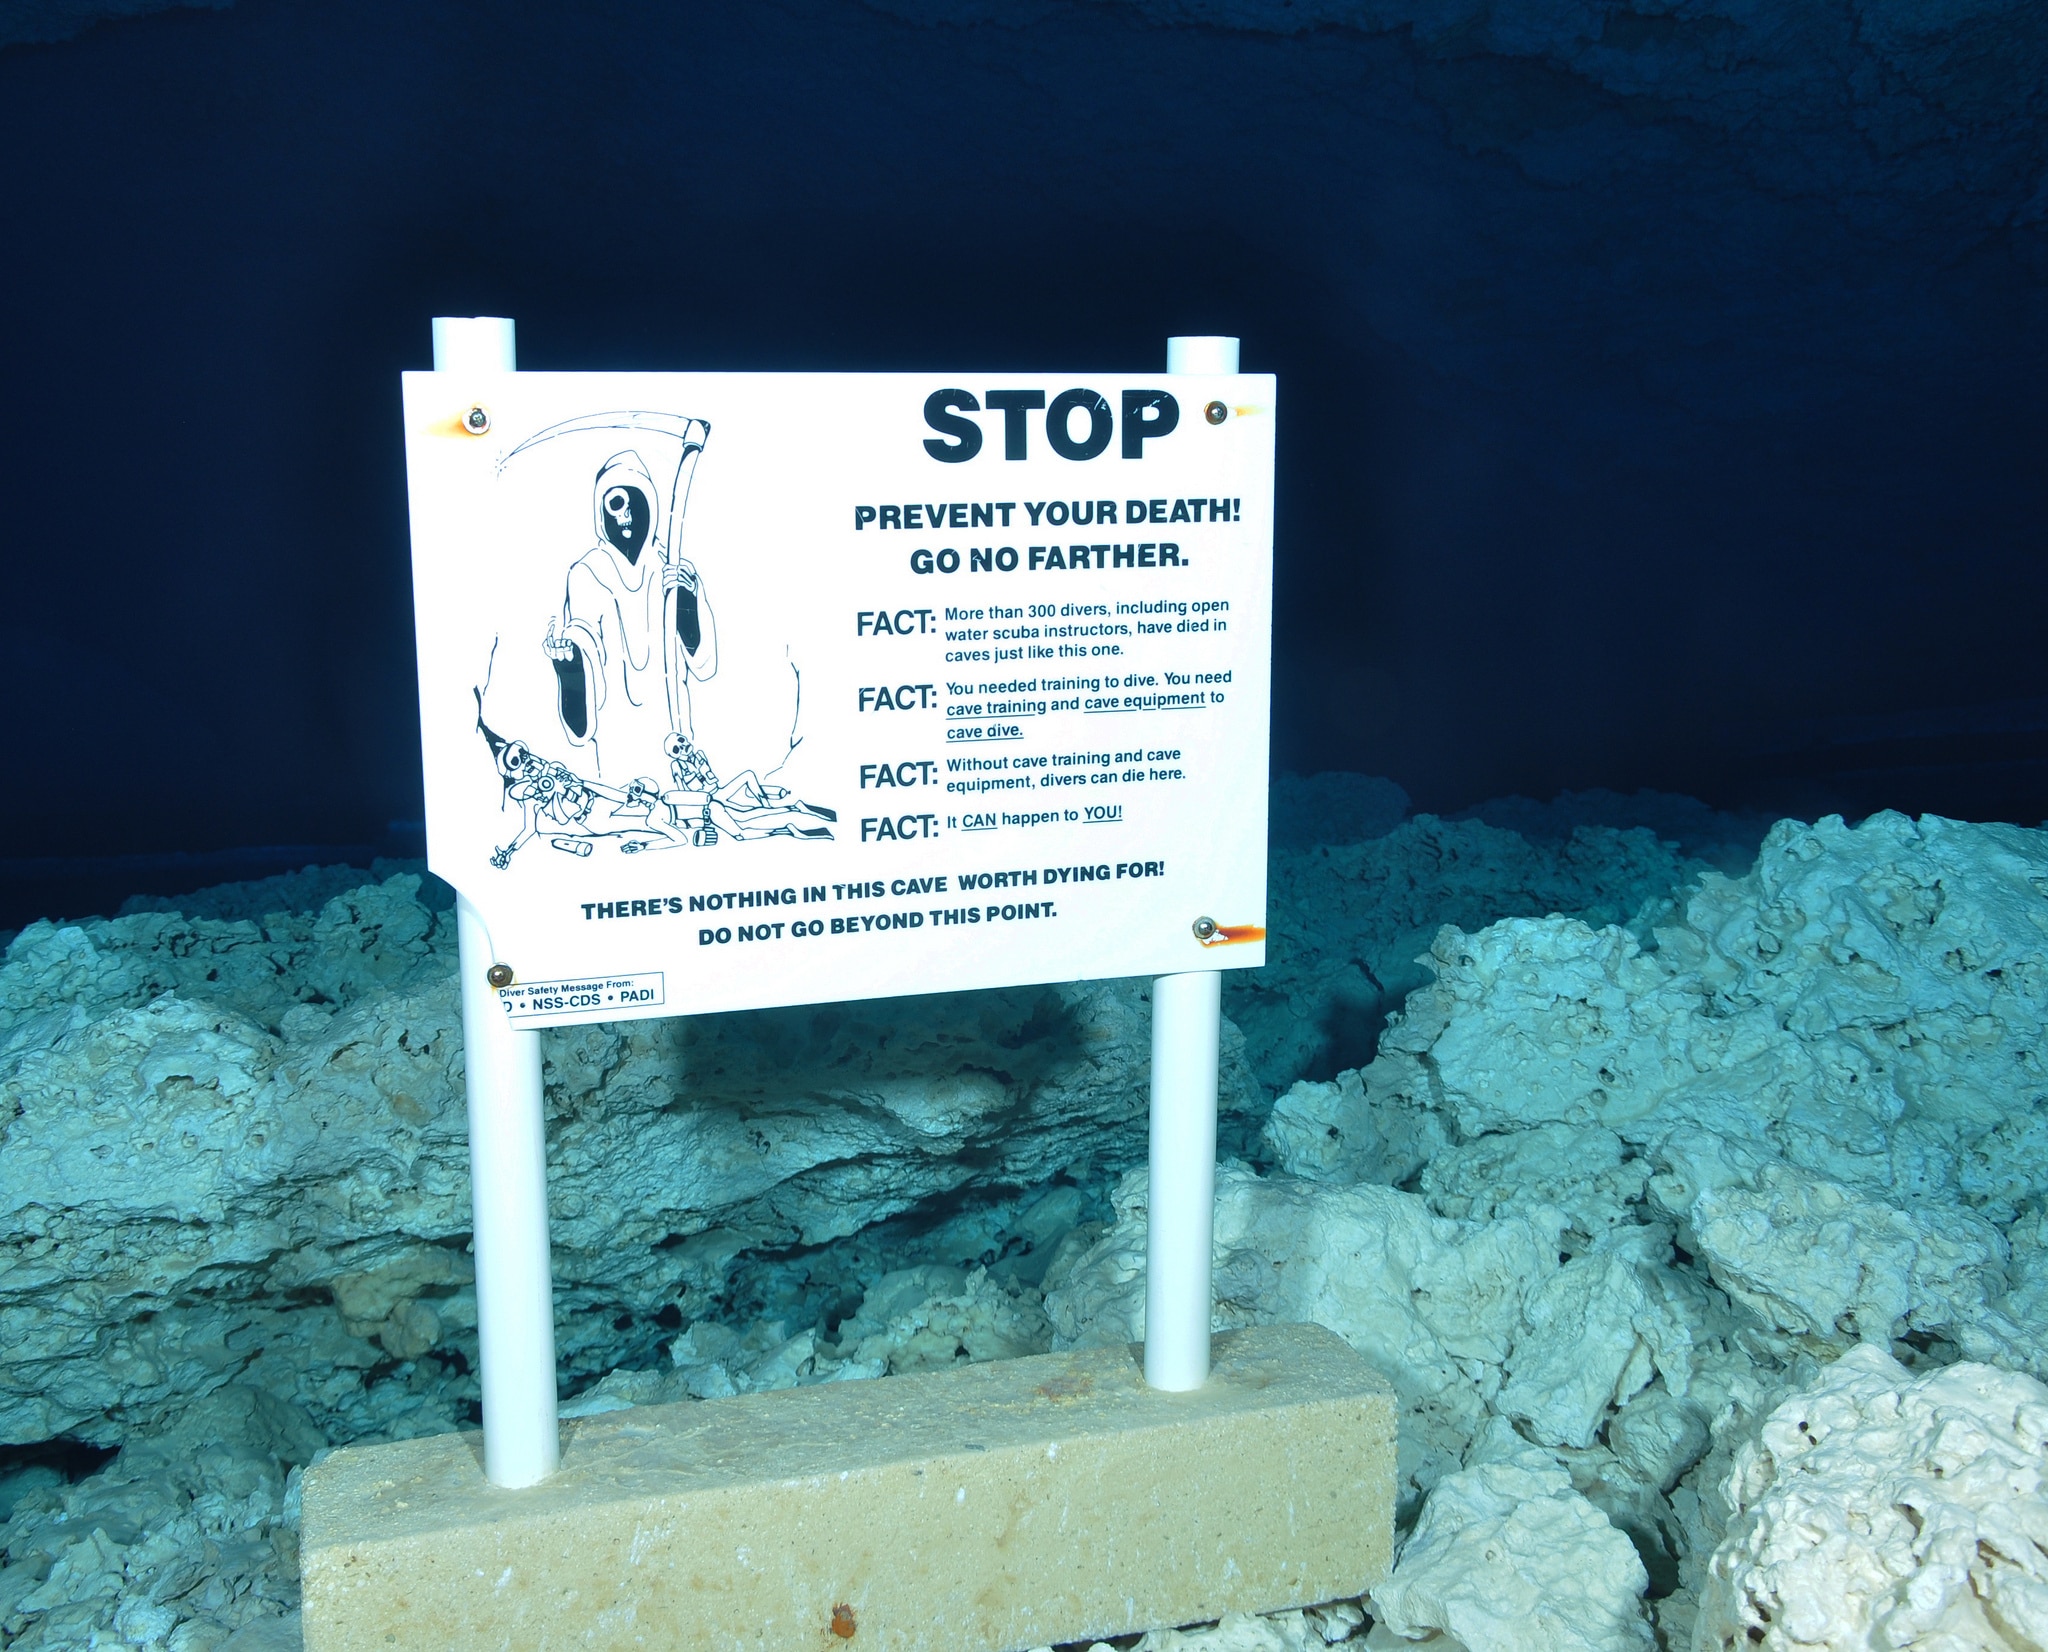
{"x":989,"y":1507}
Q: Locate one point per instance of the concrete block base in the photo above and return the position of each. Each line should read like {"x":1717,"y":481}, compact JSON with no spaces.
{"x":993,"y":1507}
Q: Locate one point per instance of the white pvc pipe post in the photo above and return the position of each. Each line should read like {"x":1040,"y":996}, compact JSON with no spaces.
{"x":515,"y":1298}
{"x":1187,"y":1030}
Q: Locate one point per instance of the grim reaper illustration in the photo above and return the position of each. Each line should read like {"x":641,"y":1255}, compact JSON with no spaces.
{"x":634,"y":631}
{"x":636,"y":626}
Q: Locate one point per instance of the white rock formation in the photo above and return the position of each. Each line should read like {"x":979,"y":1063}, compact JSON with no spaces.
{"x":1605,"y":1198}
{"x":1349,"y":920}
{"x":1810,"y":1116}
{"x":919,"y":1318}
{"x":1435,"y":1303}
{"x":1308,"y":1631}
{"x":1827,"y":1075}
{"x":1507,"y":1557}
{"x":1884,"y":1509}
{"x":187,"y":1542}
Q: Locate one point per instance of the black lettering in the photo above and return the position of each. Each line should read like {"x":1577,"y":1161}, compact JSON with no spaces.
{"x":1147,"y":413}
{"x":1101,"y":424}
{"x":942,"y":409}
{"x":1013,"y":405}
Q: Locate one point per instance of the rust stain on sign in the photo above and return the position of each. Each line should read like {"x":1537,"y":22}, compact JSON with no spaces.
{"x":471,"y":421}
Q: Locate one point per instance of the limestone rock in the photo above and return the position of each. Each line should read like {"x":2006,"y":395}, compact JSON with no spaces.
{"x":1604,"y":1198}
{"x":1827,"y":1075}
{"x":237,"y":1148}
{"x":1809,"y":1116}
{"x":1507,"y":1557}
{"x":1586,"y":1171}
{"x":927,"y":1317}
{"x":1240,"y":1632}
{"x":1886,"y":1509}
{"x":1436,"y":1304}
{"x":1868,"y":997}
{"x":1657,"y":1436}
{"x":187,"y":1541}
{"x":1597,"y":1331}
{"x":1808,"y":1256}
{"x":1336,"y":1131}
{"x":1348,"y":921}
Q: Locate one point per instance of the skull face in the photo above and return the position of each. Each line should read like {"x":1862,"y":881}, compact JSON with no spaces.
{"x":691,"y":768}
{"x":626,"y":519}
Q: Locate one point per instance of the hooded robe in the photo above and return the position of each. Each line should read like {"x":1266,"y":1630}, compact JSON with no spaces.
{"x":614,"y":694}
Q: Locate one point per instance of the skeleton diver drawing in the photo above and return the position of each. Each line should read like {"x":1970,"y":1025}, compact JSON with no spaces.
{"x":634,"y":631}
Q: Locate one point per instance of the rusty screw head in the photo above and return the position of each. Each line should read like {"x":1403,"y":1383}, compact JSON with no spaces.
{"x":477,"y":420}
{"x":499,"y":975}
{"x":1215,"y":412}
{"x":1205,"y":929}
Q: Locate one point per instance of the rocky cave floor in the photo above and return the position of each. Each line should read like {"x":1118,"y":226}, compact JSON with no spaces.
{"x":1686,"y":1179}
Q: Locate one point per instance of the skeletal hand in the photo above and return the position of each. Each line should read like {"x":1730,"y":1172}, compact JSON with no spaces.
{"x":557,"y":646}
{"x":679,"y":575}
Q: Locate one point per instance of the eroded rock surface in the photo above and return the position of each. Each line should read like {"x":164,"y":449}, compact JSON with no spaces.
{"x":1352,"y":921}
{"x":1605,"y":1200}
{"x":235,"y":1151}
{"x":1879,"y":1508}
{"x":1612,"y":1204}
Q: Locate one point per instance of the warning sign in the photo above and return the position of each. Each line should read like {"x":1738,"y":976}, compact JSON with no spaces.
{"x":752,"y":689}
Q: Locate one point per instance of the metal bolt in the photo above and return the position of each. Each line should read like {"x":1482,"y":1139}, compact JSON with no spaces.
{"x":477,"y":420}
{"x":1215,"y":412}
{"x":1205,"y":929}
{"x":499,"y":975}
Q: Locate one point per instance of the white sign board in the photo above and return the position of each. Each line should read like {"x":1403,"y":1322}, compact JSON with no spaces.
{"x":752,"y":689}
